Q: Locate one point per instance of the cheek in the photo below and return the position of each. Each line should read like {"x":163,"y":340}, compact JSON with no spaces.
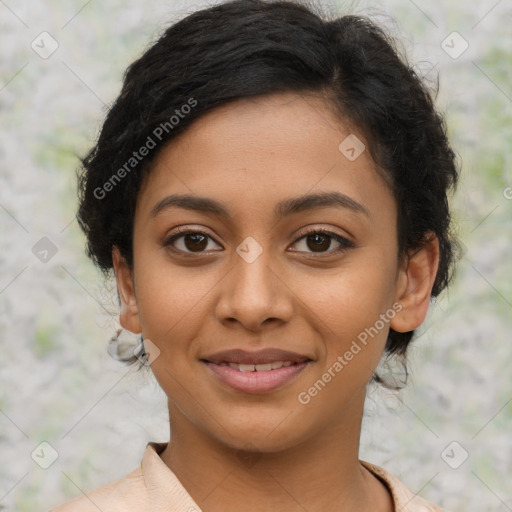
{"x":172,"y":308}
{"x":169,"y":304}
{"x":353,"y":321}
{"x":349,"y":306}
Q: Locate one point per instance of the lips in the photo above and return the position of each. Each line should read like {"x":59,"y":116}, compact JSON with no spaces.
{"x":266,"y":356}
{"x":256,"y":372}
{"x":263,"y":367}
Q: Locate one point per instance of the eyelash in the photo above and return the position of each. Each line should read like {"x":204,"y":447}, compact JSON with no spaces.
{"x":344,"y":243}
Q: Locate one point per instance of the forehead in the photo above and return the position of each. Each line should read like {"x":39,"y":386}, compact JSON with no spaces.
{"x":252,"y":153}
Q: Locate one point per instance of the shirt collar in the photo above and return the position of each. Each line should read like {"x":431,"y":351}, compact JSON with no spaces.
{"x":403,"y":499}
{"x":163,"y":486}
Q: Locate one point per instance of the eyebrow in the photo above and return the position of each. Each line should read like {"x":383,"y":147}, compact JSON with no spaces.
{"x":282,"y":209}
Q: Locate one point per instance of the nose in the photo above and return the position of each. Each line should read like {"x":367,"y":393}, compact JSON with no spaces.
{"x":255,"y":293}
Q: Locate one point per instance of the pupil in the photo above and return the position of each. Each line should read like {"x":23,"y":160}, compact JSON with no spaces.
{"x":198,"y":242}
{"x":319,"y":246}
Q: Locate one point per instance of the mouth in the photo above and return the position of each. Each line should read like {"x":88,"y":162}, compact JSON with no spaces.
{"x":265,"y":367}
{"x":256,"y":372}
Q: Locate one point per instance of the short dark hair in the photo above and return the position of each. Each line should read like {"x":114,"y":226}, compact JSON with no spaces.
{"x":247,"y":48}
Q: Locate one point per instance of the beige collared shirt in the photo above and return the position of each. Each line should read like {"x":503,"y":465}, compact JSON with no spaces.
{"x":153,"y":487}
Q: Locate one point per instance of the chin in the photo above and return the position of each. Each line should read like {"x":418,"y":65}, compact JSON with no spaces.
{"x":266,"y":433}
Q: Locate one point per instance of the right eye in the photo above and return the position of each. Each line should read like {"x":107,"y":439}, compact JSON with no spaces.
{"x":190,"y":241}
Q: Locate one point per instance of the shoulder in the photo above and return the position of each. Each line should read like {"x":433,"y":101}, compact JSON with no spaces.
{"x":152,"y":487}
{"x":118,"y":496}
{"x":404,"y":499}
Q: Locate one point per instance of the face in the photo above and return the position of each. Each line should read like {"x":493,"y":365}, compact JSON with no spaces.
{"x":283,"y":256}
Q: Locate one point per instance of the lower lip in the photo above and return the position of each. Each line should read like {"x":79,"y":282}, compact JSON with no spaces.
{"x":256,"y":381}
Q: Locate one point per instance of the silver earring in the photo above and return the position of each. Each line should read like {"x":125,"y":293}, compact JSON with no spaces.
{"x":124,"y":344}
{"x":143,"y":348}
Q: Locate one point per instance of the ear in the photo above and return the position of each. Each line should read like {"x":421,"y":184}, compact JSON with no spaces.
{"x":129,"y":315}
{"x":414,"y":285}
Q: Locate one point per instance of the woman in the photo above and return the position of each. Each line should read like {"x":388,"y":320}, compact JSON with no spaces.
{"x":270,"y":190}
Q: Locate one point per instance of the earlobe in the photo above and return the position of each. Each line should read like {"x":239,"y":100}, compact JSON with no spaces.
{"x":414,"y":285}
{"x":129,"y":314}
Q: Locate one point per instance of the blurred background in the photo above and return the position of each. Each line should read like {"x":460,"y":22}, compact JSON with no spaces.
{"x":72,"y":418}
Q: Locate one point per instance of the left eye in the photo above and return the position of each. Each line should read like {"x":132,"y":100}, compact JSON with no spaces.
{"x":320,"y":241}
{"x":317,"y":241}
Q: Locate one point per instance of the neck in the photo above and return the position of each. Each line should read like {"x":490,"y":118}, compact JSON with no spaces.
{"x":321,"y":473}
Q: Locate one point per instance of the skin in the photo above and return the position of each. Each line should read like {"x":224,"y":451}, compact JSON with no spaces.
{"x":249,"y":155}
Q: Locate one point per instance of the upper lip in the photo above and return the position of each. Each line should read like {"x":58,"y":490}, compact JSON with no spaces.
{"x":265,"y":356}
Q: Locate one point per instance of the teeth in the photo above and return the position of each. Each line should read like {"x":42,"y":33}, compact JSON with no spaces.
{"x":263,"y":367}
{"x":275,"y":365}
